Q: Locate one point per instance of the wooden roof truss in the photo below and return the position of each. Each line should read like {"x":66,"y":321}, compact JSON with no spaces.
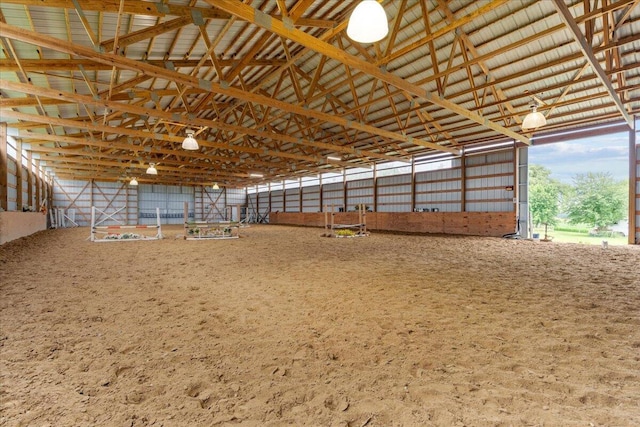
{"x":99,"y":89}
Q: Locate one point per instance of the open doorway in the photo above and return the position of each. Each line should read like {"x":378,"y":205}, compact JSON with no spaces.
{"x":579,"y":190}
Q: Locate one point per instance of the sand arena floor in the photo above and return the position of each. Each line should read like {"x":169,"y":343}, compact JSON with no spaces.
{"x":284,"y":327}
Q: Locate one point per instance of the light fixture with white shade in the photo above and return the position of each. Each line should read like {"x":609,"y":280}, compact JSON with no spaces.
{"x":534,"y":119}
{"x":334,"y":158}
{"x":215,"y":186}
{"x":190,"y":142}
{"x":151,"y":170}
{"x":133,"y":181}
{"x":256,"y":175}
{"x":368,"y":22}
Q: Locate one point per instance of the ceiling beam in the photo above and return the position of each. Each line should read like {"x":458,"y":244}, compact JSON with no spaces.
{"x":276,"y":26}
{"x":147,"y":33}
{"x":193,"y":121}
{"x":586,"y":49}
{"x":54,"y":121}
{"x":37,"y":39}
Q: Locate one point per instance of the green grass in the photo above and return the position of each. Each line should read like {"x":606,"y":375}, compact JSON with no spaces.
{"x":582,"y":237}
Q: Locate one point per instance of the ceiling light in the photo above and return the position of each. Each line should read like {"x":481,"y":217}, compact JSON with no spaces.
{"x":151,"y":170}
{"x":368,"y":22}
{"x":133,"y":181}
{"x":334,"y":158}
{"x":534,"y":119}
{"x":190,"y":142}
{"x":256,"y":175}
{"x":215,"y":186}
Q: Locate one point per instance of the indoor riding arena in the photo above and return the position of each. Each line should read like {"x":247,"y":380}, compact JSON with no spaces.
{"x":266,"y":213}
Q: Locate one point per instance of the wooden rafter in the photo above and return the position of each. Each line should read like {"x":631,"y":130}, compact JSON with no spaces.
{"x":586,"y":49}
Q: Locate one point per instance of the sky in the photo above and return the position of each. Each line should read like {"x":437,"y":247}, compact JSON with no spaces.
{"x":608,"y":153}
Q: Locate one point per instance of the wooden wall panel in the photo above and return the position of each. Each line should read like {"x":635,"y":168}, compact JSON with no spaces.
{"x":494,"y":224}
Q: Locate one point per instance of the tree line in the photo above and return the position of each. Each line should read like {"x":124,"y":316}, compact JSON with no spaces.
{"x":593,"y":199}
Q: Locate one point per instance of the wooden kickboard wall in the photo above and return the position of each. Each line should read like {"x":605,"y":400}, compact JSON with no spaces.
{"x":494,"y":224}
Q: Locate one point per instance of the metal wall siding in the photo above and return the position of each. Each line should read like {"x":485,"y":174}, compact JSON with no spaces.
{"x":169,"y":198}
{"x":489,"y":207}
{"x":360,"y":192}
{"x":394,"y":180}
{"x":311,"y":199}
{"x":252,"y":205}
{"x":440,"y":175}
{"x":334,"y":186}
{"x":487,"y":178}
{"x":263,"y":200}
{"x":363,"y":183}
{"x":311,"y":193}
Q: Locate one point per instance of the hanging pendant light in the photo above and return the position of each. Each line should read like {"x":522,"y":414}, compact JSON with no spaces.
{"x":133,"y":181}
{"x":151,"y":170}
{"x":190,"y":142}
{"x":368,"y":22}
{"x":534,"y":120}
{"x":215,"y":186}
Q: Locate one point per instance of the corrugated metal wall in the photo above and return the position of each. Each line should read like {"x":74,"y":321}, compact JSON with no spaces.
{"x":489,"y":180}
{"x":263,"y":207}
{"x":116,"y":202}
{"x":333,"y":195}
{"x":360,"y":192}
{"x":210,"y":205}
{"x":394,"y":193}
{"x":132,"y":205}
{"x":311,"y":199}
{"x":488,"y":177}
{"x":439,"y":189}
{"x":252,"y":206}
{"x":169,"y":198}
{"x":74,"y":199}
{"x":292,"y":200}
{"x":277,"y":201}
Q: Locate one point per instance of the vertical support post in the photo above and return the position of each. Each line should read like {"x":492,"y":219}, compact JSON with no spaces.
{"x":633,"y":186}
{"x":225,"y":198}
{"x":300,"y":194}
{"x":375,"y":187}
{"x":326,"y":217}
{"x":320,"y":197}
{"x":412,"y":208}
{"x":19,"y":186}
{"x":30,"y":182}
{"x":258,"y":204}
{"x":333,"y":214}
{"x":4,"y":168}
{"x":516,"y":191}
{"x":91,"y":193}
{"x":93,"y":223}
{"x":344,"y":190}
{"x":363,"y":223}
{"x":38,"y":181}
{"x":463,"y":181}
{"x":185,"y":215}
